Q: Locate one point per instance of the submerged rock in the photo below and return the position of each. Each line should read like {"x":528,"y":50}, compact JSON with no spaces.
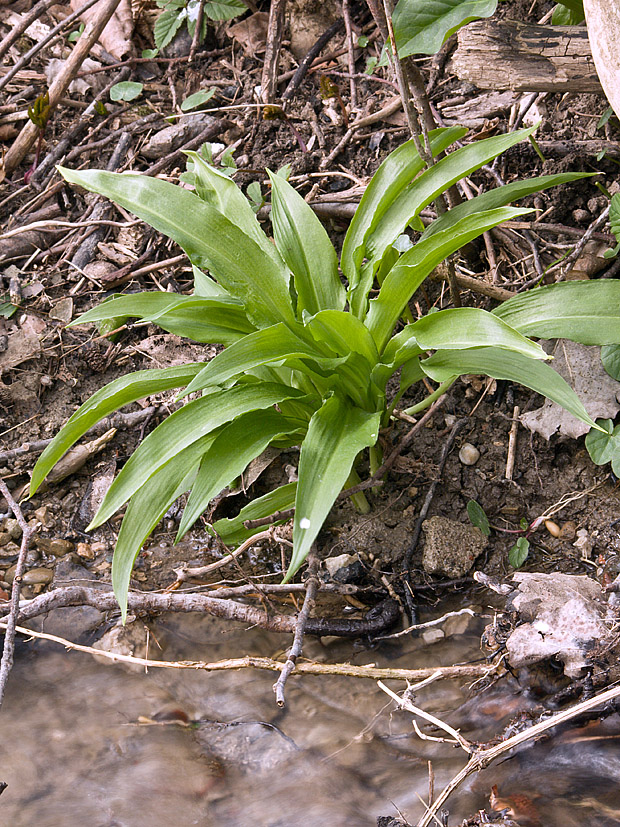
{"x":451,"y":547}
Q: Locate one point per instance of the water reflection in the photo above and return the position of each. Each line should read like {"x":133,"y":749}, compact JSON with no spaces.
{"x":83,"y":743}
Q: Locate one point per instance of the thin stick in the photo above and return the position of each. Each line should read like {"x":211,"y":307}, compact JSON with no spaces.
{"x":196,"y":37}
{"x":346,"y":13}
{"x":272,"y":51}
{"x":11,"y":624}
{"x":184,"y":572}
{"x":89,"y":36}
{"x":305,"y":64}
{"x":312,"y":587}
{"x":251,"y":662}
{"x":512,"y":444}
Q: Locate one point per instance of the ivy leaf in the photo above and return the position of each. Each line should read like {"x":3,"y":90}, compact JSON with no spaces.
{"x":604,"y":446}
{"x":478,"y":517}
{"x":197,"y":99}
{"x":518,"y":553}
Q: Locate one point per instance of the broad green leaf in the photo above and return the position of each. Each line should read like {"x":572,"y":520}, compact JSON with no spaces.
{"x":210,"y":239}
{"x":573,"y":5}
{"x":103,"y":402}
{"x":584,"y":311}
{"x":205,"y":286}
{"x":270,"y":345}
{"x":237,"y":444}
{"x":220,"y":320}
{"x":180,"y":430}
{"x":465,"y":327}
{"x":429,"y":185}
{"x":166,"y":26}
{"x":501,"y":364}
{"x":147,"y":507}
{"x":233,"y":532}
{"x":393,"y":175}
{"x":224,"y":9}
{"x":422,"y":26}
{"x":219,"y":191}
{"x":413,"y":267}
{"x":305,"y":246}
{"x":499,"y":197}
{"x":477,"y":515}
{"x":604,"y":445}
{"x":610,"y":357}
{"x":519,"y":552}
{"x":411,"y":372}
{"x":343,"y":333}
{"x":614,"y":215}
{"x":336,"y":434}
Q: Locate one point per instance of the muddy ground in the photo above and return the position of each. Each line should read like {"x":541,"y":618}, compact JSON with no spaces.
{"x":48,"y":369}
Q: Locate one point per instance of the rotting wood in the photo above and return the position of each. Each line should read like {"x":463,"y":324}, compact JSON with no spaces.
{"x":506,"y":54}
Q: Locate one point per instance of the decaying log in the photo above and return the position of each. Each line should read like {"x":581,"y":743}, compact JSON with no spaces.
{"x":506,"y":54}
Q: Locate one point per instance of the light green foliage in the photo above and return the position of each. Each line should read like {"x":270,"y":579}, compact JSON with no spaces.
{"x":614,"y":220}
{"x":308,"y":355}
{"x":604,"y":445}
{"x":197,"y":99}
{"x":518,"y":554}
{"x":177,"y":12}
{"x":126,"y":90}
{"x":478,"y":517}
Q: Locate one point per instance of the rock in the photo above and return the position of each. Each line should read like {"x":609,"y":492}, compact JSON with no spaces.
{"x":563,"y":616}
{"x":85,"y":551}
{"x":334,"y":564}
{"x":430,"y":636}
{"x":170,"y":138}
{"x":62,"y":311}
{"x":131,"y":640}
{"x":12,"y":527}
{"x":56,"y":547}
{"x":38,"y":575}
{"x":451,"y":547}
{"x":469,"y":454}
{"x":247,"y":746}
{"x":44,"y":517}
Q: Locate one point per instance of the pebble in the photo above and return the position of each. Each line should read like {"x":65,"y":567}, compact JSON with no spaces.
{"x":85,"y":551}
{"x":32,"y":577}
{"x":432,"y":636}
{"x":44,"y":517}
{"x":57,"y":547}
{"x":469,"y":454}
{"x":12,"y":527}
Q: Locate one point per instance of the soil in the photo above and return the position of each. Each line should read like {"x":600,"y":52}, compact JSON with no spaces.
{"x":55,"y":368}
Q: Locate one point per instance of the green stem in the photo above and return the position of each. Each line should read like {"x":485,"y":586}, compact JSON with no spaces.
{"x":359,"y":500}
{"x":376,"y":458}
{"x":426,"y":403}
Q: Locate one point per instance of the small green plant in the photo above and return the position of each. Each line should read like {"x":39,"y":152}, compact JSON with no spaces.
{"x":177,"y":12}
{"x":126,"y":90}
{"x":308,"y":357}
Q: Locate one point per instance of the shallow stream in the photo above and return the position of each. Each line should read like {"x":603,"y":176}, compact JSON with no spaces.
{"x":82,"y":743}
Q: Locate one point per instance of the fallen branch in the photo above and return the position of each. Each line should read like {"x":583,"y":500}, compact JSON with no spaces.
{"x":376,"y":620}
{"x":252,"y":662}
{"x":8,"y":649}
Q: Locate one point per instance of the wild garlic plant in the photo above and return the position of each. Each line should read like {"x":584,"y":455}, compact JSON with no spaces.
{"x":308,"y":352}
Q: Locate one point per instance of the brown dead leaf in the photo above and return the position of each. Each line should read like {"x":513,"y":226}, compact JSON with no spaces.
{"x":116,"y":37}
{"x":251,"y":34}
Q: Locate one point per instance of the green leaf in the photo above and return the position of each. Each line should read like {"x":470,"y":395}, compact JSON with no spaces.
{"x":336,"y":434}
{"x":205,"y":286}
{"x":605,"y":117}
{"x":344,"y":334}
{"x":584,"y":311}
{"x":166,"y":26}
{"x":465,"y":327}
{"x":518,"y":554}
{"x":499,"y":197}
{"x":604,"y":445}
{"x":147,"y":507}
{"x":215,"y":321}
{"x":7,"y":309}
{"x":270,"y":345}
{"x":413,"y":267}
{"x":149,"y":54}
{"x":573,"y":5}
{"x":180,"y":430}
{"x":104,"y":402}
{"x":233,"y":532}
{"x":422,"y":26}
{"x":224,"y":9}
{"x":126,"y":90}
{"x":197,"y":99}
{"x":389,"y":180}
{"x":614,"y":215}
{"x":477,"y":516}
{"x":237,"y":444}
{"x":501,"y":364}
{"x":305,"y":246}
{"x":610,"y":357}
{"x":564,"y":16}
{"x":429,"y":185}
{"x":210,"y":239}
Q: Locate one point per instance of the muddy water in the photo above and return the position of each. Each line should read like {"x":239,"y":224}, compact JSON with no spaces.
{"x":77,"y":748}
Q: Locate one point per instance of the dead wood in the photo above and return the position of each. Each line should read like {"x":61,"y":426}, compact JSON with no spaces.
{"x":506,"y":54}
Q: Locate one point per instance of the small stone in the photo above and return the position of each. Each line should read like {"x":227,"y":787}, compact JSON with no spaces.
{"x":12,"y":526}
{"x":582,"y":216}
{"x":4,"y":538}
{"x":62,"y":311}
{"x":568,"y":531}
{"x":99,"y":548}
{"x":44,"y":517}
{"x":57,"y":547}
{"x":552,"y":528}
{"x":9,"y":550}
{"x":85,"y":551}
{"x":450,"y":547}
{"x":334,"y":564}
{"x":430,"y":636}
{"x":469,"y":454}
{"x":36,"y":576}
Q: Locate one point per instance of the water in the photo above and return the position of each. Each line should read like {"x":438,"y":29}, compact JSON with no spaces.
{"x":83,"y":743}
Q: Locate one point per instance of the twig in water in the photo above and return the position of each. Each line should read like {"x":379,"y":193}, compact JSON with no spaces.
{"x":9,"y":637}
{"x":312,"y":586}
